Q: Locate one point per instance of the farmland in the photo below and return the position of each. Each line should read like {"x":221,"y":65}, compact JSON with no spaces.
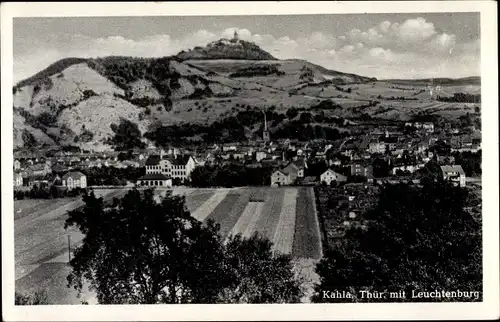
{"x":41,"y":244}
{"x":284,"y":215}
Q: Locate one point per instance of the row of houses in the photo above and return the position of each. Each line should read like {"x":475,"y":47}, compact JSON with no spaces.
{"x":70,"y":180}
{"x":426,"y":126}
{"x":37,"y":165}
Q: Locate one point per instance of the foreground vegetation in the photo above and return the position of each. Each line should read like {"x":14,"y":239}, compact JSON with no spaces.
{"x":158,"y":253}
{"x":418,"y":238}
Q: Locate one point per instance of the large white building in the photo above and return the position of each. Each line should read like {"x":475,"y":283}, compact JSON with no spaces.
{"x":175,"y":167}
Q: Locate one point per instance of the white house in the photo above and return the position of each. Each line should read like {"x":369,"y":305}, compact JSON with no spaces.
{"x":454,"y":173}
{"x":428,"y":126}
{"x":74,"y":179}
{"x":335,"y":162}
{"x":329,"y":175}
{"x":18,"y":180}
{"x":376,"y":147}
{"x":407,"y":167}
{"x":280,"y":178}
{"x":17,"y":165}
{"x":259,"y":155}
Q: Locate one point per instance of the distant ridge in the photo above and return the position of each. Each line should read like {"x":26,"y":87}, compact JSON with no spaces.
{"x":52,"y":69}
{"x":471,"y":80}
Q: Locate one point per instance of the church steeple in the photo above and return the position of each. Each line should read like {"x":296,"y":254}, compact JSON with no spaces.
{"x":265,"y":122}
{"x":265,"y":134}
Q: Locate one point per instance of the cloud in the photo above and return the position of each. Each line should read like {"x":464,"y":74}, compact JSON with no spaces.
{"x":405,"y":49}
{"x":416,"y":30}
{"x":347,"y":49}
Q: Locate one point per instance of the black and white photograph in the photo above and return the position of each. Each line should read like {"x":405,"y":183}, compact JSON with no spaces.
{"x":238,"y":158}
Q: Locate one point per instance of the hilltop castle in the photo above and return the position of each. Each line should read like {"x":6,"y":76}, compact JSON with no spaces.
{"x":236,"y":37}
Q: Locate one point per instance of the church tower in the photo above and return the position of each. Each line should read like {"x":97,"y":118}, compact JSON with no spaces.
{"x":265,"y":134}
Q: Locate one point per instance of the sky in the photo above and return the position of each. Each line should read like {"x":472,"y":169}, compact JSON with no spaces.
{"x":385,"y":46}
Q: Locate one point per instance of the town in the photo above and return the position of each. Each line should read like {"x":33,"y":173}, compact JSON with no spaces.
{"x":385,"y":154}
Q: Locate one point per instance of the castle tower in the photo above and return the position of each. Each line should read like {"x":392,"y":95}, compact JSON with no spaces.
{"x":265,"y":135}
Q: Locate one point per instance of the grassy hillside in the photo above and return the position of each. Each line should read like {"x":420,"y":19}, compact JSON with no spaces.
{"x":55,"y":68}
{"x":75,"y":101}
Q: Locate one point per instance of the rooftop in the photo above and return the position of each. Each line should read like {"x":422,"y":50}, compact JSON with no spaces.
{"x":452,"y":168}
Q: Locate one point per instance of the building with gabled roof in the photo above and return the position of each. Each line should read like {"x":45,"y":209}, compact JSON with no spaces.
{"x":175,"y":167}
{"x":280,"y":178}
{"x":74,"y":179}
{"x":329,"y":175}
{"x":18,"y":179}
{"x":288,"y":174}
{"x":155,"y":180}
{"x":455,"y":174}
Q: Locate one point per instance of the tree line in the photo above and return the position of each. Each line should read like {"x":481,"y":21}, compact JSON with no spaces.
{"x":112,"y":176}
{"x":230,"y":175}
{"x":46,"y":192}
{"x":461,"y":98}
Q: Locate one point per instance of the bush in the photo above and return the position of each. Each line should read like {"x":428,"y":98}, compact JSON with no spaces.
{"x":47,"y":119}
{"x":258,"y":70}
{"x":37,"y":298}
{"x":28,"y":139}
{"x":127,"y":136}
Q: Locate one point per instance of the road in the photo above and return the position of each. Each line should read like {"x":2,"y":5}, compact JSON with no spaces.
{"x":41,"y":249}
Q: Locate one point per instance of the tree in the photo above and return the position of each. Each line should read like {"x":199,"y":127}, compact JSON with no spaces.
{"x":145,"y":252}
{"x":54,"y":192}
{"x":142,"y":251}
{"x":292,"y":113}
{"x":306,"y":117}
{"x":418,"y":238}
{"x":28,"y":139}
{"x":122,"y":156}
{"x":381,"y":167}
{"x":258,"y":275}
{"x":127,"y":135}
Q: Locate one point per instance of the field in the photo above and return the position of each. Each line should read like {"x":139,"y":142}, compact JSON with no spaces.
{"x":41,"y":244}
{"x":286,"y":216}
